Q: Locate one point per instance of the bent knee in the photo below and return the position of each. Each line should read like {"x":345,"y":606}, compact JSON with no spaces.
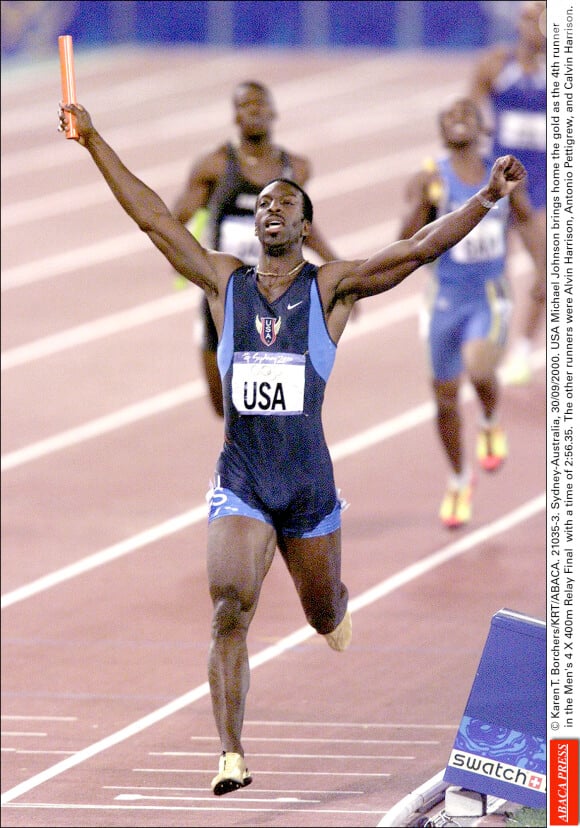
{"x":326,"y":615}
{"x":227,"y":615}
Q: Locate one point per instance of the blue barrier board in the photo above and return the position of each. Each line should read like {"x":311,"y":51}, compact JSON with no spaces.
{"x":500,"y":747}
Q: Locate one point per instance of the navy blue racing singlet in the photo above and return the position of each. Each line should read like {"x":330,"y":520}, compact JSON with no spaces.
{"x":275,"y":360}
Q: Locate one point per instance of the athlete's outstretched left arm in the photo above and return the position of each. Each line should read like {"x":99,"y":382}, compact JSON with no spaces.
{"x":394,"y":263}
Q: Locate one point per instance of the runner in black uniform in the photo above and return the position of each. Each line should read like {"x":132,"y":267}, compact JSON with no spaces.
{"x":218,"y":202}
{"x":280,"y":488}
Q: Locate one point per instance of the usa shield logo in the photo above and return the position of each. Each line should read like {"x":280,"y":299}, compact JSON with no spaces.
{"x":268,"y":327}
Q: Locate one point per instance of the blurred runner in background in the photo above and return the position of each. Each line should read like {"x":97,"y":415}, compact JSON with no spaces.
{"x":509,"y":83}
{"x":469,"y":300}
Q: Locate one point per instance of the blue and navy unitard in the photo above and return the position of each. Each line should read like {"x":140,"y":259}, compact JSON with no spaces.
{"x":470,"y":297}
{"x":275,"y":359}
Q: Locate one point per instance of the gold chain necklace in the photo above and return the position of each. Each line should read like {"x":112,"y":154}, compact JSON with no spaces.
{"x":283,"y":275}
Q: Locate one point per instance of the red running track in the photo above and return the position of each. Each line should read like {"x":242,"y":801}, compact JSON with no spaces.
{"x":109,"y":443}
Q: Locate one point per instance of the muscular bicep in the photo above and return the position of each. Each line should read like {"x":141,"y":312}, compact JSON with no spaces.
{"x":378,"y":273}
{"x":182,"y":251}
{"x":387,"y":268}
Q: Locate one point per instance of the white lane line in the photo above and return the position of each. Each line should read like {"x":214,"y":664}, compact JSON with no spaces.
{"x":292,"y":756}
{"x":332,"y":131}
{"x":353,"y":725}
{"x":152,"y":406}
{"x":192,"y":789}
{"x":348,"y":179}
{"x":102,"y":425}
{"x":323,"y":84}
{"x":131,"y":92}
{"x":345,"y":448}
{"x":68,"y":262}
{"x":105,"y":326}
{"x":410,"y":573}
{"x":157,"y":309}
{"x":134,"y":797}
{"x":309,"y":740}
{"x":190,"y":122}
{"x":111,"y":553}
{"x":279,"y":755}
{"x":142,"y":314}
{"x":353,"y":245}
{"x":23,"y":79}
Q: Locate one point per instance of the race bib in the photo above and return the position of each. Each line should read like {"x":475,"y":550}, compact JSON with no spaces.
{"x":523,"y":130}
{"x":268,"y":383}
{"x":238,"y":238}
{"x":485,"y":242}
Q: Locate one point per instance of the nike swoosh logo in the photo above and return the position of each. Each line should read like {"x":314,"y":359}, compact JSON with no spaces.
{"x":295,"y":305}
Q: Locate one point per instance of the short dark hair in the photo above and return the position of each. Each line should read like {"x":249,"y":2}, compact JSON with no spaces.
{"x":251,"y":84}
{"x":307,"y":208}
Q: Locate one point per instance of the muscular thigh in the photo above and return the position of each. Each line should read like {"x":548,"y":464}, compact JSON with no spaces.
{"x":314,"y":563}
{"x":239,"y":554}
{"x":481,"y":357}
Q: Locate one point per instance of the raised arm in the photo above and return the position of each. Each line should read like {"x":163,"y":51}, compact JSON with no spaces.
{"x":394,"y":263}
{"x":203,"y":268}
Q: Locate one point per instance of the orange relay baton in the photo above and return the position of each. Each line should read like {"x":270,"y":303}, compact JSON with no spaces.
{"x":67,"y":80}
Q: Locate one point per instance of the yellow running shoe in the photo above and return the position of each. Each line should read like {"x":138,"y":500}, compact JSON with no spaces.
{"x":340,"y":638}
{"x":232,"y":774}
{"x":492,"y":448}
{"x":455,"y":509}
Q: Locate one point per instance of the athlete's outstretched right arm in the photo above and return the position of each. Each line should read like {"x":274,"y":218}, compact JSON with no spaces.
{"x":149,"y":211}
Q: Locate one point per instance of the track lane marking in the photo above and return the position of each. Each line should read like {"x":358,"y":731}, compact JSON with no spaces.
{"x":143,"y":314}
{"x":345,"y":448}
{"x":410,"y":573}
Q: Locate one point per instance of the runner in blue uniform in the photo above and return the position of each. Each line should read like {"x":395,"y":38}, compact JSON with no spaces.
{"x":278,"y":326}
{"x":511,"y":84}
{"x":217,"y":203}
{"x":469,"y":300}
